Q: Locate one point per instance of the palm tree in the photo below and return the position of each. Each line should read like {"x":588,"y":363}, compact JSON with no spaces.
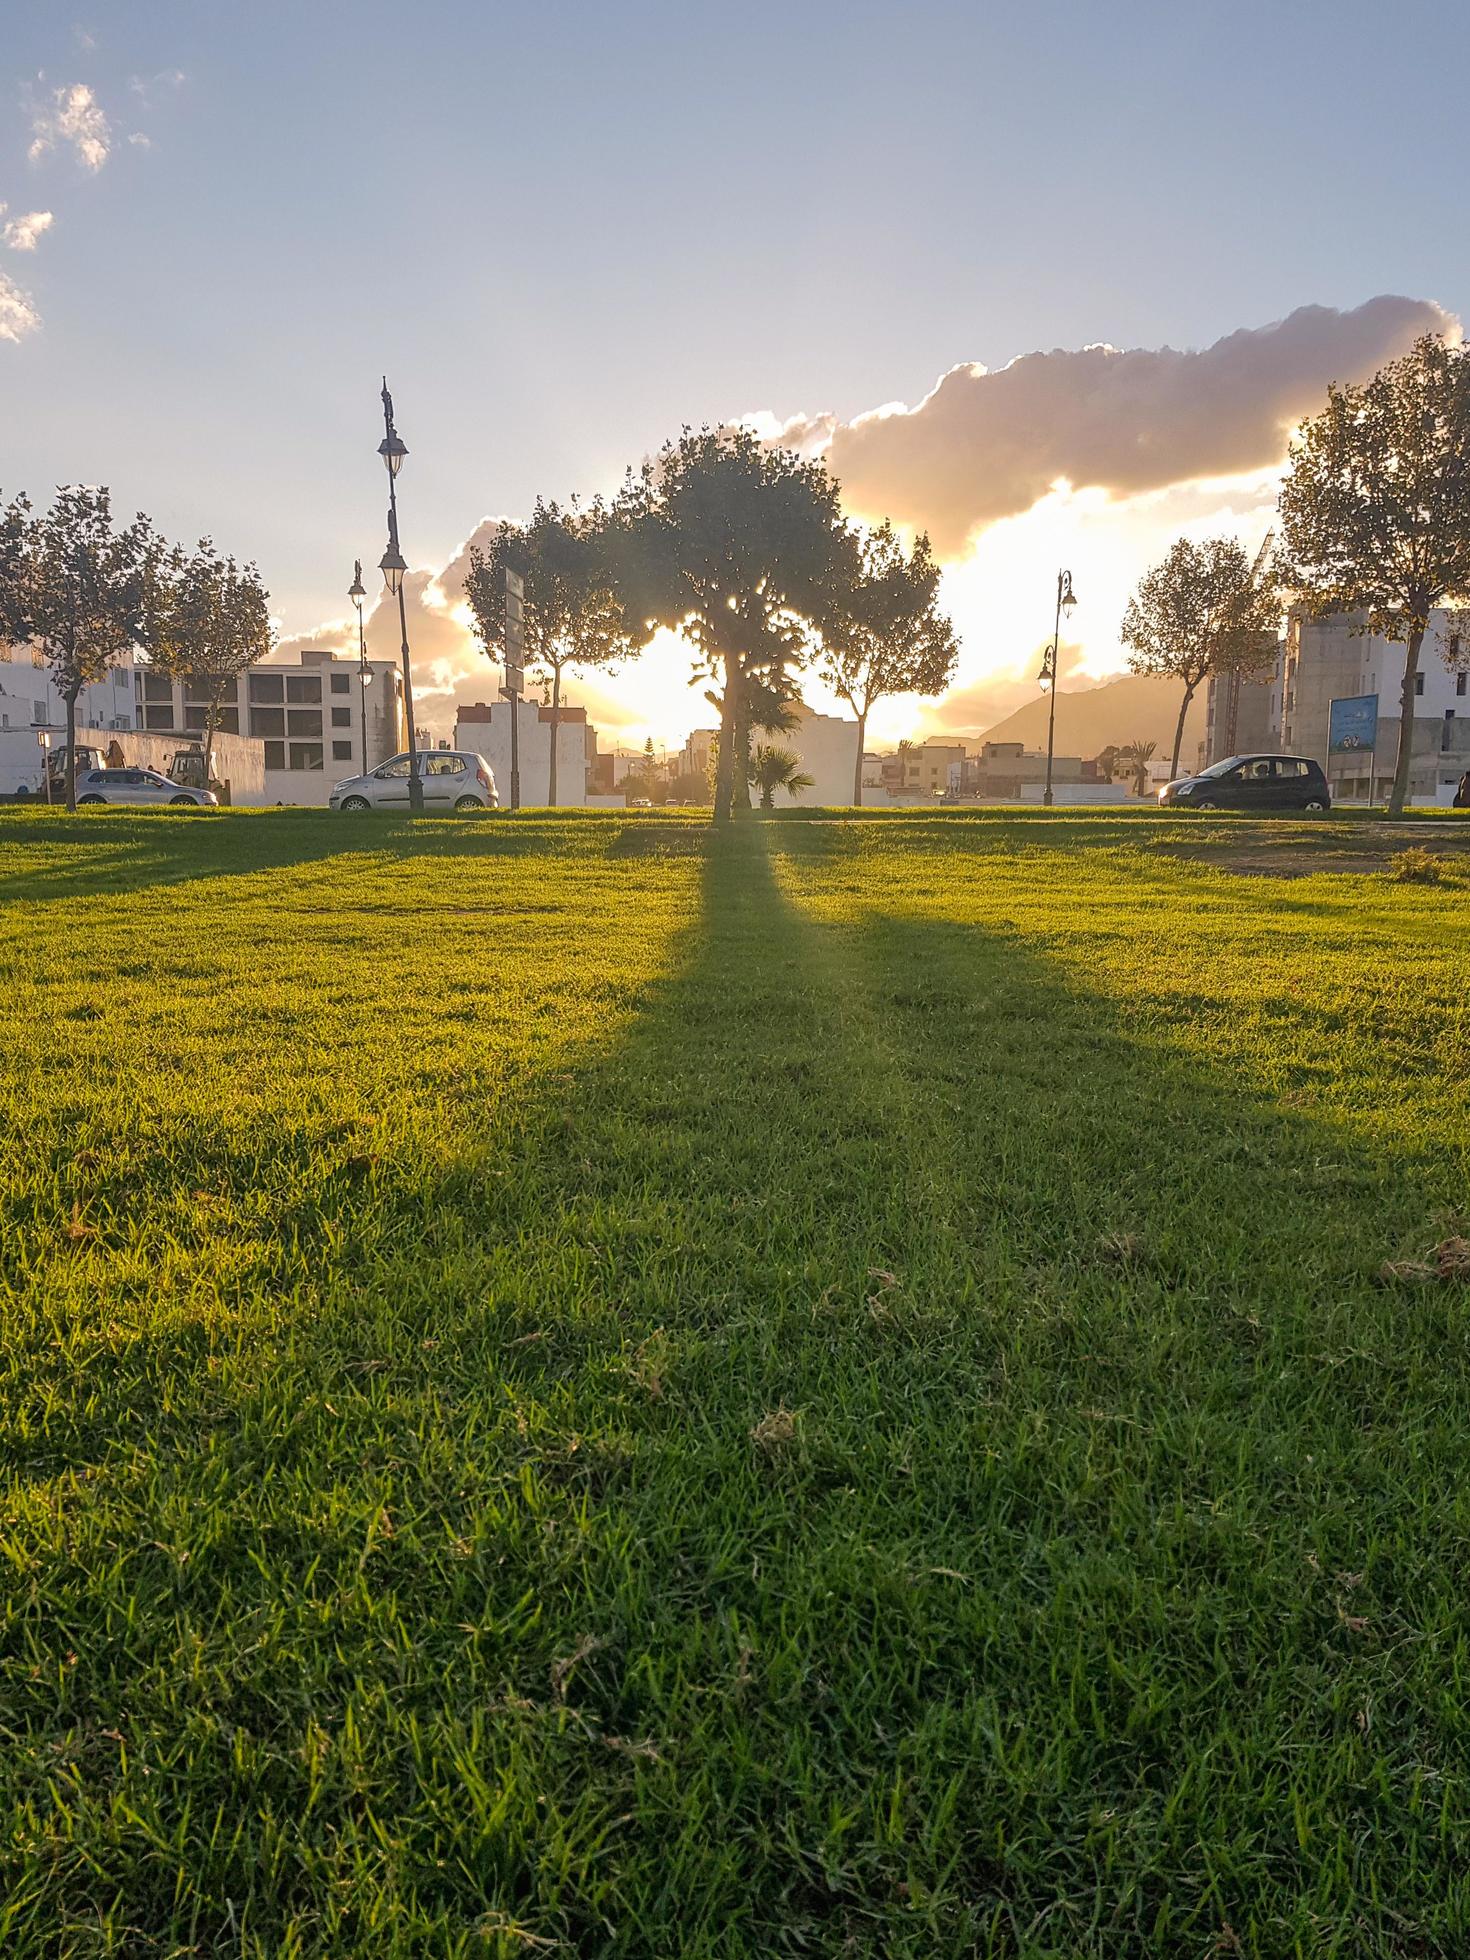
{"x":772,"y":769}
{"x":1136,"y":756}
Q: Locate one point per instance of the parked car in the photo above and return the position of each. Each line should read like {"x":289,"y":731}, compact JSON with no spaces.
{"x":139,"y":786}
{"x":453,"y":779}
{"x":1251,"y":782}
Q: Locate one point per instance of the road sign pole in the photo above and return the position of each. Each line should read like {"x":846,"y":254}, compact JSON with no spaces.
{"x":515,"y":673}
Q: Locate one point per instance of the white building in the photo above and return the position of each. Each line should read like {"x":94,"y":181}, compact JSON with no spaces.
{"x":308,"y":712}
{"x":29,"y":697}
{"x":827,"y":746}
{"x":484,"y":727}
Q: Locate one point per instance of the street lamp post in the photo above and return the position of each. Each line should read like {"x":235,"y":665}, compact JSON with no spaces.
{"x":357,"y":593}
{"x":392,"y":449}
{"x":1066,"y":599}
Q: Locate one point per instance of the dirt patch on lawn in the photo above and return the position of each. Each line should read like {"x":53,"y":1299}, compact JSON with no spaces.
{"x":1296,"y":853}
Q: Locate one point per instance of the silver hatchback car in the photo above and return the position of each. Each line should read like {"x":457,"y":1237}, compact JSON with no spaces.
{"x":453,"y":779}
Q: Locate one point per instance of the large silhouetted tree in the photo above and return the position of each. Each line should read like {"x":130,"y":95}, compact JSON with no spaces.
{"x":742,"y":549}
{"x":86,"y":585}
{"x":1375,"y":509}
{"x":890,"y":636}
{"x":1201,"y":611}
{"x":208,"y":622}
{"x":572,"y":617}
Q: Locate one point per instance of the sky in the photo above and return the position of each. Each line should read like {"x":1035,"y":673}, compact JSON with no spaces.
{"x":566,"y":231}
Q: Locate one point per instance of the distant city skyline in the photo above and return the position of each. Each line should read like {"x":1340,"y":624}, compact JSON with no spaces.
{"x":220,"y":229}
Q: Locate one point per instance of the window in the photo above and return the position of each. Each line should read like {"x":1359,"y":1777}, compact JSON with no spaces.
{"x":1460,"y":680}
{"x":304,"y":721}
{"x":158,"y":717}
{"x":306,"y":755}
{"x":397,"y":767}
{"x":1418,"y":683}
{"x":1287,"y":768}
{"x":340,"y":683}
{"x":444,"y":765}
{"x":304,"y":687}
{"x":267,"y":687}
{"x":267,"y":721}
{"x":157,"y":687}
{"x":275,"y":755}
{"x":193,"y":717}
{"x":341,"y":751}
{"x":341,"y":717}
{"x":201,"y":690}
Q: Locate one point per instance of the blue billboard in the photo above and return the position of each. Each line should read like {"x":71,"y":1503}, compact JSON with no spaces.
{"x":1352,"y":725}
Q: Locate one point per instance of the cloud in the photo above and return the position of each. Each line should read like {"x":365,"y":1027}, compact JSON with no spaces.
{"x":148,"y":87}
{"x":18,"y":315}
{"x":139,"y":141}
{"x":987,"y":445}
{"x":21,"y":233}
{"x":73,"y":115}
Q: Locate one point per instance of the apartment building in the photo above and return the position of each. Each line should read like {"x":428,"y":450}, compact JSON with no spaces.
{"x":1326,"y":660}
{"x":29,"y":697}
{"x":317,"y":719}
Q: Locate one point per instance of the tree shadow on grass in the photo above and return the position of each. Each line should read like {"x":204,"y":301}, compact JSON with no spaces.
{"x":108,"y":853}
{"x":858,"y":1465}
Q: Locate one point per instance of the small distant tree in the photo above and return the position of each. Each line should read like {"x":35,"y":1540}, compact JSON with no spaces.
{"x":1107,"y":761}
{"x":15,"y":521}
{"x":1135,"y":757}
{"x":86,"y":587}
{"x":890,"y":637}
{"x":742,"y":548}
{"x":208,"y":624}
{"x":771,"y":769}
{"x":572,"y":620}
{"x":1375,"y":508}
{"x":1200,"y":612}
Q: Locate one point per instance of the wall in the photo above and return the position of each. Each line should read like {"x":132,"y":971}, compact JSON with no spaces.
{"x":238,"y":761}
{"x":29,"y":698}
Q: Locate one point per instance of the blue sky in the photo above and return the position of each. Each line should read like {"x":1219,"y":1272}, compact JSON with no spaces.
{"x":565,"y":230}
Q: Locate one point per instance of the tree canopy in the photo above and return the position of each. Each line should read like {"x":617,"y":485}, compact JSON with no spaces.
{"x":208,"y":622}
{"x":1375,"y":508}
{"x":742,"y":548}
{"x":890,"y":636}
{"x":572,"y":617}
{"x":1200,"y":611}
{"x":83,"y":593}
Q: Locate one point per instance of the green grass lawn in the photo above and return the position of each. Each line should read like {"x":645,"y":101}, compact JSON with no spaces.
{"x":581,"y":1387}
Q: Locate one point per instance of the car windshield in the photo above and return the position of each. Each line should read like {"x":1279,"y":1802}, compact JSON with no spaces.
{"x":1222,"y":768}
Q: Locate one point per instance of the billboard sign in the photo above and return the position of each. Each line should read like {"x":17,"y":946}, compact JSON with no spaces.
{"x":1352,"y":725}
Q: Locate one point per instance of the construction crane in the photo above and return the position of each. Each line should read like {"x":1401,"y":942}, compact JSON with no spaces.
{"x":1233,"y":681}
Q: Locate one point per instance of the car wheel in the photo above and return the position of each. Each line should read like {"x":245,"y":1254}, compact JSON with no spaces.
{"x":464,"y":804}
{"x":90,"y":799}
{"x":181,"y":803}
{"x":1315,"y":805}
{"x":1204,"y":803}
{"x":354,"y":804}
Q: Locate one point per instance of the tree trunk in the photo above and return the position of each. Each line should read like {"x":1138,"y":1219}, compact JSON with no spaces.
{"x":725,"y":761}
{"x":741,"y":783}
{"x":1189,"y":688}
{"x":768,"y":796}
{"x":857,"y":774}
{"x":1399,"y":795}
{"x":555,"y":728}
{"x":71,"y":749}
